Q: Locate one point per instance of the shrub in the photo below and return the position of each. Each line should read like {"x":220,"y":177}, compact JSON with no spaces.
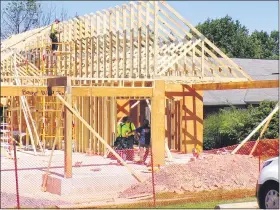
{"x":231,"y":125}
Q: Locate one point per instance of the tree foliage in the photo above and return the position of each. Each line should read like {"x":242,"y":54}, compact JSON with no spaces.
{"x":234,"y":39}
{"x":20,"y":16}
{"x":231,"y":125}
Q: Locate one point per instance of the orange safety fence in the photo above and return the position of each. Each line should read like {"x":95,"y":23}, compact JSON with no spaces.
{"x":265,"y":148}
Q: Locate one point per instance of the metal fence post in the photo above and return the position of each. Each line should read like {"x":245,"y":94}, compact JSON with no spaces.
{"x":16,"y":174}
{"x":153,"y":178}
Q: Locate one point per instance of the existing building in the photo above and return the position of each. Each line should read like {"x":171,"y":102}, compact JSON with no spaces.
{"x":259,"y":70}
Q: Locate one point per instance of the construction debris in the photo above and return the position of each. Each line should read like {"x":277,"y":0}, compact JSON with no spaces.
{"x":198,"y":176}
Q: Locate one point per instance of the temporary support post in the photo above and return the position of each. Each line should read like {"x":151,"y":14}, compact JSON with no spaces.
{"x":68,"y":105}
{"x":158,"y":122}
{"x":256,"y":129}
{"x":68,"y":132}
{"x":66,"y":82}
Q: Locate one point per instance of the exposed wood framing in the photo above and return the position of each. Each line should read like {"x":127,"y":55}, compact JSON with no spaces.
{"x":238,"y":85}
{"x":136,"y":51}
{"x":109,"y":44}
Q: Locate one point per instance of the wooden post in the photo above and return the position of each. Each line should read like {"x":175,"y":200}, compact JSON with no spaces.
{"x":68,"y":132}
{"x":191,"y":121}
{"x":68,"y":105}
{"x":158,"y":123}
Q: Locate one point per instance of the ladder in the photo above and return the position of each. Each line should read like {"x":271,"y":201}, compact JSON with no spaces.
{"x":27,"y":114}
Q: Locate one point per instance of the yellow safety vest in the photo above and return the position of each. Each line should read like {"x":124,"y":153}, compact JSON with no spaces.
{"x":54,"y":28}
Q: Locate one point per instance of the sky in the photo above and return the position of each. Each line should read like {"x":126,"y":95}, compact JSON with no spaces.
{"x":255,"y":15}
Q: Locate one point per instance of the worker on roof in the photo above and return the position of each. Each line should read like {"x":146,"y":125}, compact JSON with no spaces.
{"x":53,"y":35}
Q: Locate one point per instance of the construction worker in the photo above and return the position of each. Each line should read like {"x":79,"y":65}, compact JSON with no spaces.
{"x":126,"y":132}
{"x":130,"y":133}
{"x":53,"y":35}
{"x":144,"y":140}
{"x":121,"y":141}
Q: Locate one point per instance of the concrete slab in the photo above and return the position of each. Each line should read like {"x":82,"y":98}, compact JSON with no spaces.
{"x":87,"y":184}
{"x":96,"y":184}
{"x":243,"y":205}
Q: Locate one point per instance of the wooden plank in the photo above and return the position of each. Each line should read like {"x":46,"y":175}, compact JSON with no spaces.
{"x":139,"y":39}
{"x":237,"y":85}
{"x":98,"y":46}
{"x":78,"y":91}
{"x":76,"y":60}
{"x":117,"y":42}
{"x":158,"y":123}
{"x":92,"y":57}
{"x":124,"y":40}
{"x":87,"y":58}
{"x":69,"y":107}
{"x":104,"y":45}
{"x":105,"y":123}
{"x":261,"y":134}
{"x":80,"y":59}
{"x":202,"y":58}
{"x":147,"y":40}
{"x":131,"y":40}
{"x":87,"y":114}
{"x":155,"y":37}
{"x":110,"y":47}
{"x":67,"y":135}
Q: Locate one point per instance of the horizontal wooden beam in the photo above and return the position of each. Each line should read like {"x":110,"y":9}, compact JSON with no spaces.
{"x":78,"y":91}
{"x":173,"y":94}
{"x":237,"y":85}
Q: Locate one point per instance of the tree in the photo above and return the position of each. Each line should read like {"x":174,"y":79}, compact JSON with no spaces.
{"x":234,"y":39}
{"x":47,"y":17}
{"x":264,"y":42}
{"x":274,"y":35}
{"x":19,"y":16}
{"x":229,"y":35}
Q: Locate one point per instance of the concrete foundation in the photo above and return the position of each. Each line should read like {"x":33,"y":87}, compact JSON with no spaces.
{"x":94,"y":178}
{"x":97,"y":184}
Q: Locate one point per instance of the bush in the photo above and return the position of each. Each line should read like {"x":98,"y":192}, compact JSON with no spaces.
{"x":231,"y":125}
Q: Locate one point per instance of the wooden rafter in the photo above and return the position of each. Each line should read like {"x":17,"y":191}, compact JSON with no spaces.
{"x":134,"y":40}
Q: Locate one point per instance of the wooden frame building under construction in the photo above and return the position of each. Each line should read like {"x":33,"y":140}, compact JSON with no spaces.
{"x":109,"y":64}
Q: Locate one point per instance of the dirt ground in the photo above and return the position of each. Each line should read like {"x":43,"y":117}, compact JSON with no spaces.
{"x":212,"y":172}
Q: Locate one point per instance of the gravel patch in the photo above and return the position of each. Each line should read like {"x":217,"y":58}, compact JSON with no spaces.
{"x":9,"y":200}
{"x":212,"y":172}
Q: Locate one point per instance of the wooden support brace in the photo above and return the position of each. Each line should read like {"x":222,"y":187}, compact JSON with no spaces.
{"x":256,"y":129}
{"x":69,"y":107}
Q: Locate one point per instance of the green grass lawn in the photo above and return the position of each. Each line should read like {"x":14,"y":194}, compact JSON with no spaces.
{"x":209,"y":204}
{"x":205,"y":199}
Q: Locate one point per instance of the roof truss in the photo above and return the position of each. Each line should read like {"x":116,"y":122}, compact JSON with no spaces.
{"x":144,"y":39}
